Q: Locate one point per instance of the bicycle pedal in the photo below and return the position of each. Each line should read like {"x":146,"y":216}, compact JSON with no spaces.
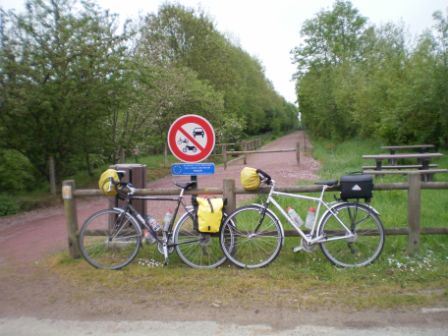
{"x":297,"y":249}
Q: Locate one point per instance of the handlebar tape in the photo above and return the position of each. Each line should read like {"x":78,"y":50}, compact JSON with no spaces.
{"x":264,"y":175}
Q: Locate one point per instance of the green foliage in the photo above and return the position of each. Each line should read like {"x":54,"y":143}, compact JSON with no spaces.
{"x":180,"y":37}
{"x":356,"y":80}
{"x":16,"y":171}
{"x":8,"y":205}
{"x":58,"y":70}
{"x":73,"y":88}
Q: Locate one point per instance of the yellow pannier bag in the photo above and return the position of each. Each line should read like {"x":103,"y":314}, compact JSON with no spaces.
{"x":106,"y":182}
{"x":209,"y":214}
{"x":250,"y":180}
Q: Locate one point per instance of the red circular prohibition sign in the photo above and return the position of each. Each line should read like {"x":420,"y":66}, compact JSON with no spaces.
{"x":180,"y":128}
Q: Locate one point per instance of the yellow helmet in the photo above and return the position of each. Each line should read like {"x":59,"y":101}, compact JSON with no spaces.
{"x":250,"y":180}
{"x":107,"y":182}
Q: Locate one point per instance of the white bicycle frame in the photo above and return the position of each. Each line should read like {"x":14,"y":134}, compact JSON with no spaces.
{"x":311,"y":238}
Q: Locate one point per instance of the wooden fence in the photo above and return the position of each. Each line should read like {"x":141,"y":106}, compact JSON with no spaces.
{"x":229,"y":191}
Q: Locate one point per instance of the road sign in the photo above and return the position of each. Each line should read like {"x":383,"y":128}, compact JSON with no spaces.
{"x":192,"y":169}
{"x":191,"y":138}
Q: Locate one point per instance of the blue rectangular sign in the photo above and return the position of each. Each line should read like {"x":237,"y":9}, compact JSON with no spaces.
{"x":192,"y":169}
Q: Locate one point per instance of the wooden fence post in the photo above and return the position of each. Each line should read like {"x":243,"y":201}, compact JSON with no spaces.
{"x":68,"y":188}
{"x":224,"y":155}
{"x":414,"y":205}
{"x":52,"y":173}
{"x":229,"y":194}
{"x":298,"y":152}
{"x":305,"y":149}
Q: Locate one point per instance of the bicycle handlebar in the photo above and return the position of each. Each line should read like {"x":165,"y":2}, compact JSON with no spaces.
{"x":264,"y":176}
{"x":129,"y":186}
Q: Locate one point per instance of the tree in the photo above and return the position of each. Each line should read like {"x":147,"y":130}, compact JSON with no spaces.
{"x":332,"y":43}
{"x":441,"y":73}
{"x":184,"y":38}
{"x":331,"y":37}
{"x":59,"y":74}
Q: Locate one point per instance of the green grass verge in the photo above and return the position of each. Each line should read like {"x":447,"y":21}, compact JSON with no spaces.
{"x":303,"y":280}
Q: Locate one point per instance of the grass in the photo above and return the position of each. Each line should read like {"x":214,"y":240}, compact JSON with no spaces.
{"x":303,"y":280}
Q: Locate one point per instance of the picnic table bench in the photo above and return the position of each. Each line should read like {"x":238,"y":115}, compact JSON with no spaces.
{"x":423,"y":159}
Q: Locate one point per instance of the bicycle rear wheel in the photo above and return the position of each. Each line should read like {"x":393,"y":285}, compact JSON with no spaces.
{"x":251,"y":237}
{"x":360,"y":250}
{"x":196,"y":249}
{"x":109,"y":239}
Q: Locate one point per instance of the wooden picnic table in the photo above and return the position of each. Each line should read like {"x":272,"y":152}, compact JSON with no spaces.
{"x":423,"y":159}
{"x":419,"y":148}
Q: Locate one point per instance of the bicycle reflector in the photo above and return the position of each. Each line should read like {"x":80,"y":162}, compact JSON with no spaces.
{"x":107,"y":182}
{"x":250,"y":180}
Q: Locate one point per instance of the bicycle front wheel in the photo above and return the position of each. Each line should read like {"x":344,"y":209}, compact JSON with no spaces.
{"x":110,"y":239}
{"x":360,"y":250}
{"x":251,"y":237}
{"x":196,"y":249}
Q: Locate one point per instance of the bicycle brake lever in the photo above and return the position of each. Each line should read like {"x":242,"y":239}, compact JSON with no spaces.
{"x":131,"y":189}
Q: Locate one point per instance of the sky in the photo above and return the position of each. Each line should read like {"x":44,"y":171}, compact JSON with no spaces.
{"x":269,"y":30}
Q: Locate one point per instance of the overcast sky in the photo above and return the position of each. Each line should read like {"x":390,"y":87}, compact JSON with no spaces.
{"x":269,"y":30}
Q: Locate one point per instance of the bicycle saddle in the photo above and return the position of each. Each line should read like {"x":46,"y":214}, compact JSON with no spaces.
{"x":186,"y":185}
{"x":329,"y":183}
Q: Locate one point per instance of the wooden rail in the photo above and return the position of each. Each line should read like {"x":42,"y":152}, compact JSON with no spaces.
{"x":229,"y":191}
{"x":226,"y":153}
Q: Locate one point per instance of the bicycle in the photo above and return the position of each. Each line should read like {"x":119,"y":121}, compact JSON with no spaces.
{"x":112,"y":238}
{"x":350,"y":234}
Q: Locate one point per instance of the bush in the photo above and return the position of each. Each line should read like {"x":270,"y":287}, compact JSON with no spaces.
{"x":16,"y":171}
{"x":8,"y":205}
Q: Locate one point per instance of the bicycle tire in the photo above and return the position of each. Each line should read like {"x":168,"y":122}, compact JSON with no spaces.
{"x":110,"y":239}
{"x":248,"y":249}
{"x":196,"y":249}
{"x":361,"y":250}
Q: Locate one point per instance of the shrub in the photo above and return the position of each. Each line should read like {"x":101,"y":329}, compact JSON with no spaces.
{"x":16,"y":171}
{"x":8,"y":205}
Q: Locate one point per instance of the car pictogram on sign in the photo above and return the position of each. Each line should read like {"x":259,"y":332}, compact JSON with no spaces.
{"x":198,"y":131}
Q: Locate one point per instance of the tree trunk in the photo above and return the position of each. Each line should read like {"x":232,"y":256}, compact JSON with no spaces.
{"x":52,"y":174}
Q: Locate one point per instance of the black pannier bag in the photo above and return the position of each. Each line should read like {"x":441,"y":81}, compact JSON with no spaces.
{"x":356,"y":186}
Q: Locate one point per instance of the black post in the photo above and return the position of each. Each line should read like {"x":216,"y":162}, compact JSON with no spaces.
{"x":194,"y":178}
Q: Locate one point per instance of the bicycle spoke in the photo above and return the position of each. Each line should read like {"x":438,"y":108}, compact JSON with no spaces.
{"x":367,"y":240}
{"x":196,"y":249}
{"x":101,"y":248}
{"x":256,"y":242}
